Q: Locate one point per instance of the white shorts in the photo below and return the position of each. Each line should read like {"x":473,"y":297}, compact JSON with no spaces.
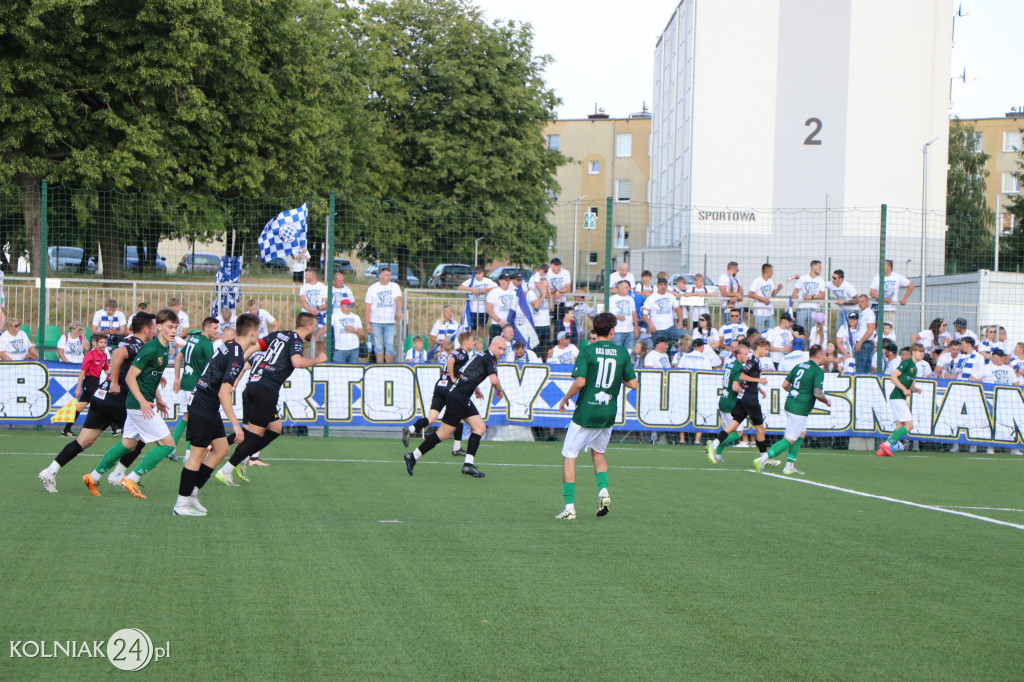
{"x":184,"y":398}
{"x":795,"y":426}
{"x":579,"y":438}
{"x":137,"y":427}
{"x":900,"y":410}
{"x":727,"y":418}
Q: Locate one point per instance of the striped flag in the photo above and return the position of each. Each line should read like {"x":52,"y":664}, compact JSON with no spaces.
{"x":521,"y":318}
{"x":65,"y":415}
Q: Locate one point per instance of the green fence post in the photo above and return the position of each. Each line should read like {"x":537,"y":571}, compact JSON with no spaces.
{"x":44,"y":261}
{"x":607,"y":250}
{"x":329,"y":274}
{"x":880,"y":318}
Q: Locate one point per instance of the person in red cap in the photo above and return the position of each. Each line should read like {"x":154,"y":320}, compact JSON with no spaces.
{"x":348,"y":332}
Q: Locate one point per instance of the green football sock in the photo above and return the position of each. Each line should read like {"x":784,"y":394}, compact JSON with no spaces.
{"x":116,"y":452}
{"x":777,"y":449}
{"x":155,"y":456}
{"x":569,"y":492}
{"x":896,"y":435}
{"x":794,"y":449}
{"x":731,"y":438}
{"x":602,"y":480}
{"x":179,"y":430}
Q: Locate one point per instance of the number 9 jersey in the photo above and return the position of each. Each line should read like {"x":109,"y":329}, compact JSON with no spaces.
{"x":605,"y":366}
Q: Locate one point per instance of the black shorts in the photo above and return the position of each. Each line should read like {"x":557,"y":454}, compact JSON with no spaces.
{"x":89,"y":386}
{"x":259,"y":405}
{"x":749,"y":411}
{"x":457,"y":409}
{"x":478,"y":319}
{"x":299,"y":277}
{"x":439,"y":399}
{"x":202,"y":431}
{"x":102,"y":416}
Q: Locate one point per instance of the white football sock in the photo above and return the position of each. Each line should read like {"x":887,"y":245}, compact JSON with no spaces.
{"x":120,"y":470}
{"x":134,"y":477}
{"x":456,"y":445}
{"x":416,"y":454}
{"x":227,"y":468}
{"x":53,"y":468}
{"x":182,"y":501}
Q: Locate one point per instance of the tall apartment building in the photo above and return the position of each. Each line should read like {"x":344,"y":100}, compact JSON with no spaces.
{"x":1000,"y":138}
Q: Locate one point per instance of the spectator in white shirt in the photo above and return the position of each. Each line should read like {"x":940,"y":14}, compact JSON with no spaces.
{"x":339,"y":292}
{"x":539,"y":299}
{"x":417,"y":355}
{"x":268,"y":323}
{"x":893,"y":283}
{"x":73,"y":346}
{"x":989,"y":343}
{"x":842,"y":292}
{"x":658,"y":358}
{"x":521,"y":355}
{"x":183,"y":322}
{"x":970,"y":361}
{"x":623,"y":307}
{"x":581,"y":311}
{"x":142,"y":308}
{"x":781,"y":338}
{"x":15,"y":344}
{"x":644,"y":287}
{"x":761,"y":290}
{"x":663,"y":314}
{"x":960,"y":330}
{"x":730,"y":289}
{"x":997,"y":371}
{"x":733,"y":329}
{"x":935,"y":336}
{"x":500,"y":302}
{"x":863,"y":342}
{"x":702,"y":329}
{"x":697,"y":357}
{"x":508,"y":332}
{"x":795,"y":356}
{"x":226,"y":320}
{"x":313,"y":297}
{"x":299,"y":261}
{"x":1017,"y":359}
{"x":561,"y":283}
{"x":478,"y":287}
{"x":695,"y":298}
{"x":946,"y":365}
{"x":348,"y":332}
{"x":564,"y":353}
{"x":622,"y":274}
{"x":444,"y":329}
{"x":110,"y":321}
{"x":1005,"y":343}
{"x":810,"y":289}
{"x":382,"y":308}
{"x":818,"y":335}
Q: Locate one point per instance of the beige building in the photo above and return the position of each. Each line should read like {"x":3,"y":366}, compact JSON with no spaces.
{"x":1000,"y":138}
{"x":608,"y":157}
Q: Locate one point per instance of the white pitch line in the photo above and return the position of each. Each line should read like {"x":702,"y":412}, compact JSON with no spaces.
{"x":953,"y":506}
{"x":897,"y":500}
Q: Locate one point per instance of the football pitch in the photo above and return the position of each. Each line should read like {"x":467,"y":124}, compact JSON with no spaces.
{"x":334,"y":564}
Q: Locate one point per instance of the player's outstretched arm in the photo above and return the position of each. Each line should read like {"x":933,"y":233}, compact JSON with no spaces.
{"x":577,"y":386}
{"x":300,"y":362}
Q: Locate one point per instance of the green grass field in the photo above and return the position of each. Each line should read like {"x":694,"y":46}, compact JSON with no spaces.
{"x":335,"y":564}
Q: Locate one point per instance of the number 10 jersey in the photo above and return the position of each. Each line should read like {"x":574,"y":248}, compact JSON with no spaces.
{"x":605,"y":366}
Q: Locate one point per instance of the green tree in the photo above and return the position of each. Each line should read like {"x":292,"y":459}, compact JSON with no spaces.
{"x":464,"y":102}
{"x":969,"y":234}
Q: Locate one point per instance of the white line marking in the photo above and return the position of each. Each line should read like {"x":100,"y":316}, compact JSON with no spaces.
{"x":996,"y":459}
{"x":894,"y":499}
{"x":952,"y":506}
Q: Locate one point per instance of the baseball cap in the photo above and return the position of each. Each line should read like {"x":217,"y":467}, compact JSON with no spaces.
{"x":960,"y":322}
{"x":560,"y":336}
{"x":786,"y":316}
{"x":663,"y":280}
{"x":556,"y":261}
{"x":346,"y":301}
{"x":697,"y":342}
{"x":518,"y":274}
{"x":999,"y":351}
{"x":505,"y":275}
{"x":854,"y":315}
{"x":798,"y":344}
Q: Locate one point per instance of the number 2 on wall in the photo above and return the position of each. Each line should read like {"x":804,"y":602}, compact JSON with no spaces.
{"x":810,"y":139}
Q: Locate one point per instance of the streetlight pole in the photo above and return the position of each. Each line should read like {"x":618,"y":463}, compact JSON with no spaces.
{"x":924,"y":223}
{"x":575,"y":222}
{"x":476,"y":243}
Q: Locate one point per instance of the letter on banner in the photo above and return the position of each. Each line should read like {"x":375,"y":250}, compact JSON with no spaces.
{"x":664,"y":397}
{"x":964,"y":407}
{"x":427,"y":377}
{"x":521,"y":392}
{"x":23,"y":387}
{"x":296,"y":399}
{"x":389,"y":393}
{"x":339,"y":380}
{"x":1009,"y":411}
{"x":708,"y":386}
{"x":839,"y":415}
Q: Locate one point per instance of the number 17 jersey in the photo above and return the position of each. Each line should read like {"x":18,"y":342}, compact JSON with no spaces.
{"x":605,"y":366}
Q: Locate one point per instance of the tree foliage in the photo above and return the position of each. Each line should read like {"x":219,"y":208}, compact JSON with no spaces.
{"x":969,"y":235}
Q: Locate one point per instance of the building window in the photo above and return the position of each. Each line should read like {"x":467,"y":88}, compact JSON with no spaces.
{"x":553,"y":142}
{"x":1011,"y":183}
{"x":977,"y":143}
{"x":593,"y":167}
{"x":622,"y":190}
{"x":624,"y":144}
{"x":593,"y":209}
{"x":1008,"y":222}
{"x":622,"y":237}
{"x":1011,"y":141}
{"x":592,"y":258}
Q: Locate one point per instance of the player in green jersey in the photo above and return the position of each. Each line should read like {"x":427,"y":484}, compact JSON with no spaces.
{"x":728,"y":399}
{"x":602,"y":369}
{"x":142,"y":422}
{"x":198,"y":351}
{"x":805,"y":385}
{"x":903,"y":381}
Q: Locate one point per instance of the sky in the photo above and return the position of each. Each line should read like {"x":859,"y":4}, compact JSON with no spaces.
{"x":604,"y":55}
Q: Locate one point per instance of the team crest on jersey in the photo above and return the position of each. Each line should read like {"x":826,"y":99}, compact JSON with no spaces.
{"x":506,"y":302}
{"x":664,"y":305}
{"x":625,"y":307}
{"x":384,"y":299}
{"x":160,"y":360}
{"x":603,"y":398}
{"x":810,"y":288}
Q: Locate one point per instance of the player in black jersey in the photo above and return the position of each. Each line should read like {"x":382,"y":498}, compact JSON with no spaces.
{"x":106,"y":407}
{"x":748,"y":389}
{"x":454,"y":364}
{"x":282,"y":353}
{"x":205,"y":430}
{"x":459,"y":406}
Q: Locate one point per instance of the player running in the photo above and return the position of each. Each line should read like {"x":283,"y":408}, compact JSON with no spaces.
{"x":747,"y":405}
{"x":106,"y":408}
{"x":206,"y":435}
{"x":805,"y":384}
{"x":602,"y":369}
{"x":282,"y":354}
{"x":449,"y":375}
{"x":93,"y":364}
{"x":728,"y":400}
{"x":197,"y":352}
{"x":903,"y":385}
{"x":459,"y":407}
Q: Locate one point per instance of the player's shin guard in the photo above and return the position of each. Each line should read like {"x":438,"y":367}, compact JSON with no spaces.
{"x":69,"y":452}
{"x":779,"y":448}
{"x":794,"y":450}
{"x":427,"y":445}
{"x":130,"y":458}
{"x":150,"y":461}
{"x":569,"y":492}
{"x":729,"y":440}
{"x":474,"y":443}
{"x":110,"y":458}
{"x":247,"y":448}
{"x":897,"y":434}
{"x":179,"y":430}
{"x":187,"y":482}
{"x":762,"y":445}
{"x":203,"y":475}
{"x":602,"y":481}
{"x":420,"y":424}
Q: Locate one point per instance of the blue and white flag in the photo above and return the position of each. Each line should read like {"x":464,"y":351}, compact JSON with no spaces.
{"x":521,"y":318}
{"x":229,"y":273}
{"x":467,"y":313}
{"x":285,"y":235}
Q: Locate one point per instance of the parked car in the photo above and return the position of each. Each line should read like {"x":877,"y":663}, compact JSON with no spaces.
{"x":199,"y":262}
{"x":449,"y":275}
{"x":498,"y":272}
{"x":131,"y":259}
{"x":69,"y":259}
{"x":275,"y":264}
{"x":689,"y":280}
{"x":411,"y":280}
{"x":342,"y":265}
